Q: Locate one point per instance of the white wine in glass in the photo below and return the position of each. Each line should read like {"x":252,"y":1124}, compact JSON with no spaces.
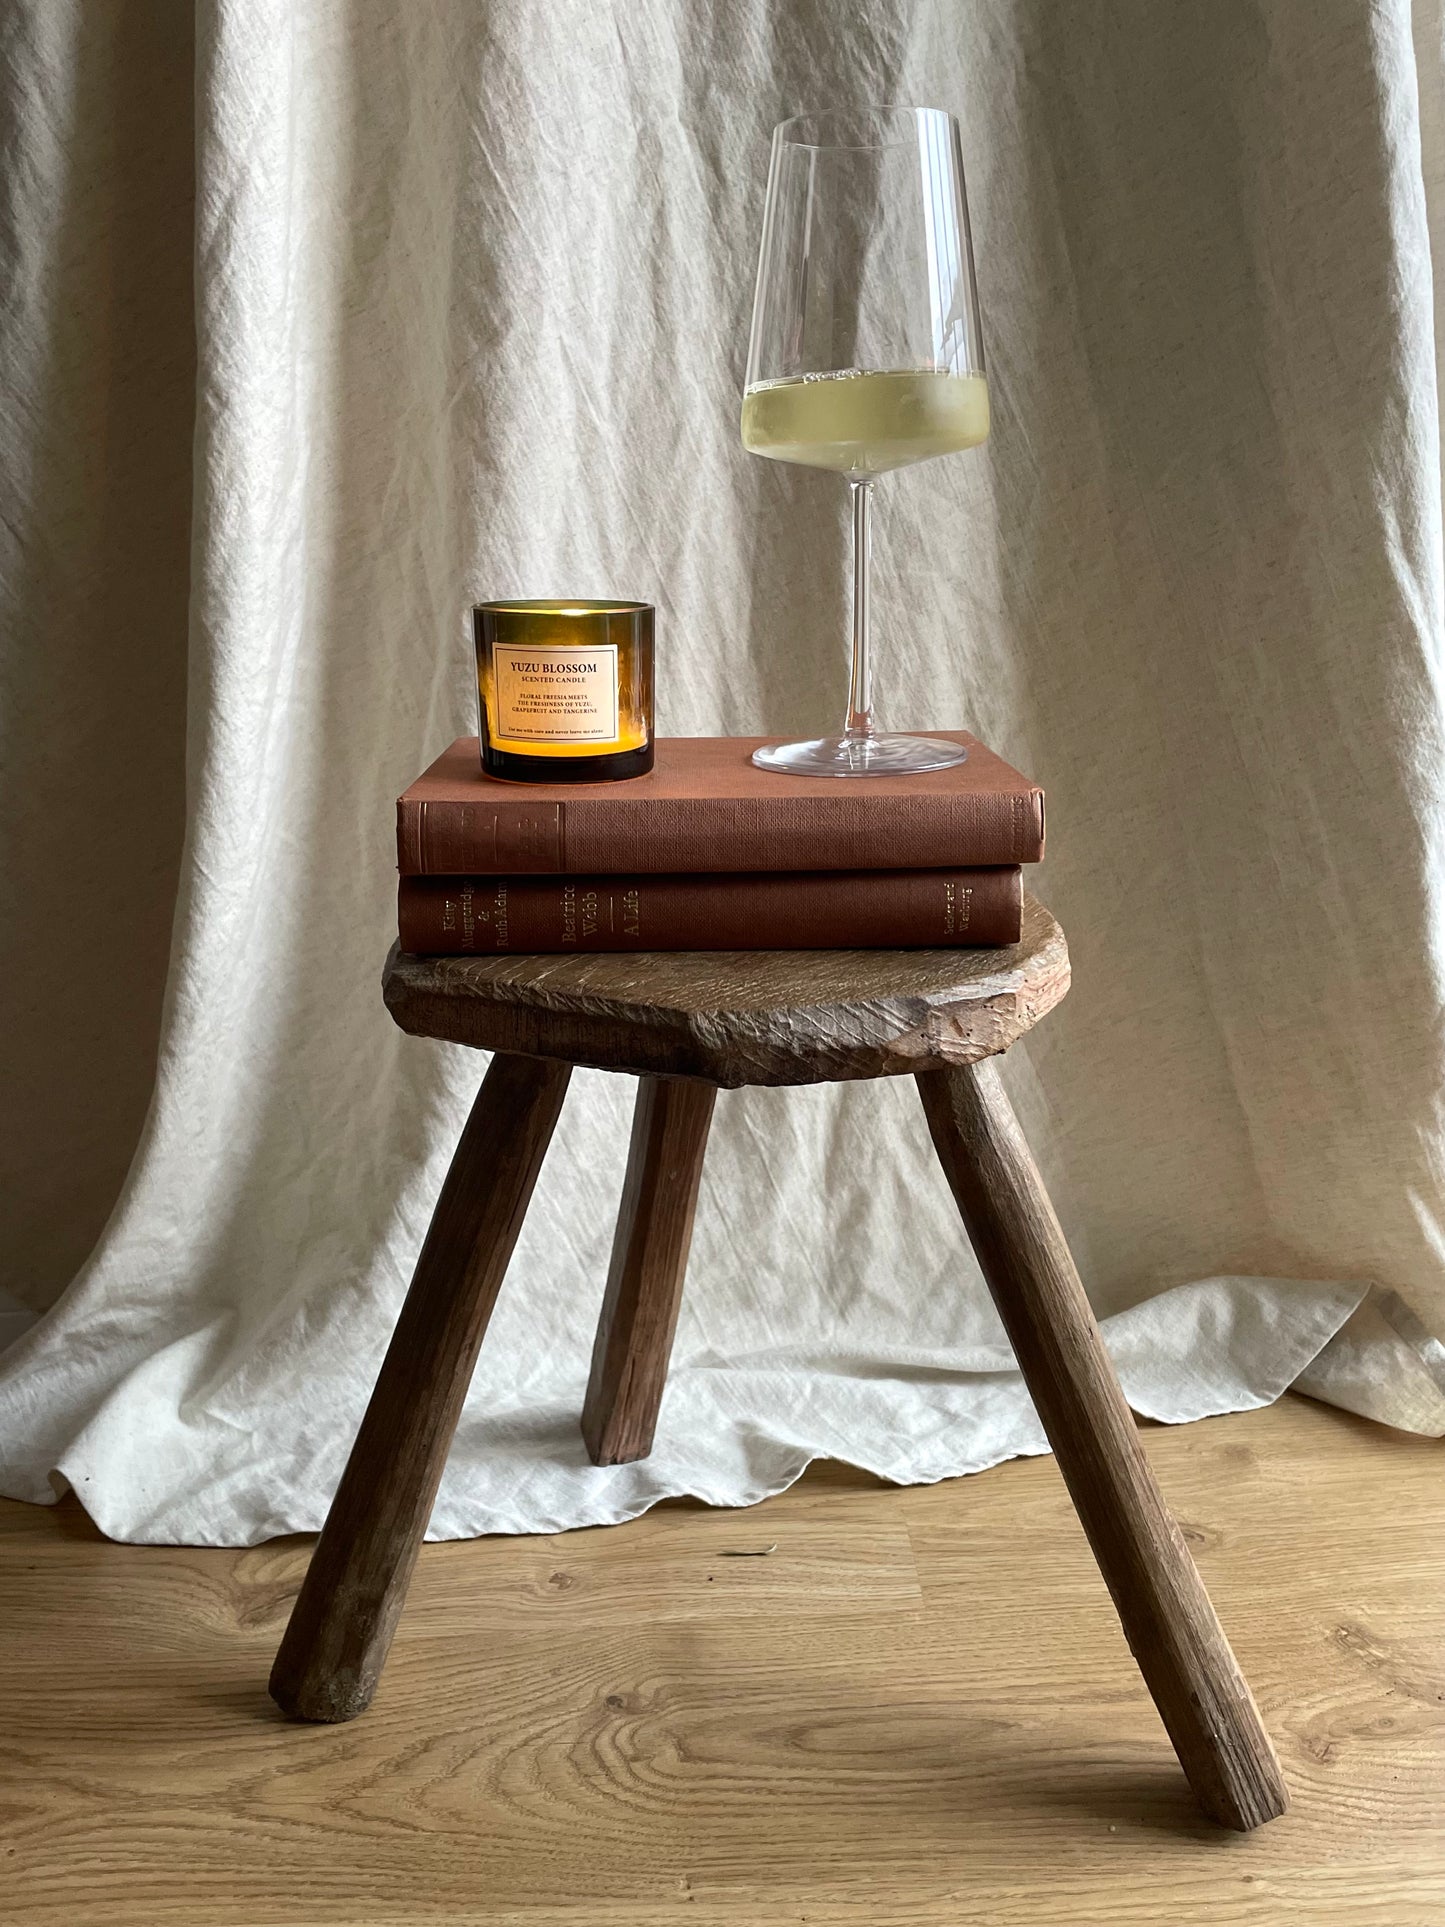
{"x":866,"y":353}
{"x":864,"y":424}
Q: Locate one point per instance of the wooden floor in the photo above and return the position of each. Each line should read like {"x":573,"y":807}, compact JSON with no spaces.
{"x":918,"y":1708}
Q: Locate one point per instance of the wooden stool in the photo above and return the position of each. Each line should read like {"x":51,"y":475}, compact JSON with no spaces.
{"x":687,"y":1025}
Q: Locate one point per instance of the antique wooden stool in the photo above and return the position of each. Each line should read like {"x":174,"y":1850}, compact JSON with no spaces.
{"x":687,"y":1025}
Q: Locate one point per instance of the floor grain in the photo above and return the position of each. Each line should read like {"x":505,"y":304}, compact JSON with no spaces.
{"x":918,"y":1709}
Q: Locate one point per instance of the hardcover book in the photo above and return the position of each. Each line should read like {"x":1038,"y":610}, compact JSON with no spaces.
{"x":775,"y":910}
{"x":704,"y":806}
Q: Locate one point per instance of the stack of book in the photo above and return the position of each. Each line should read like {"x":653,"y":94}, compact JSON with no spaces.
{"x":707,"y":852}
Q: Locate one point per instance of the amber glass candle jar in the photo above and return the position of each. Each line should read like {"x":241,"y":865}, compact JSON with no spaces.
{"x":565,"y":690}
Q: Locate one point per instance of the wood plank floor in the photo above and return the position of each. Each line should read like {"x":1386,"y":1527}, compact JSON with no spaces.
{"x":917,"y":1709}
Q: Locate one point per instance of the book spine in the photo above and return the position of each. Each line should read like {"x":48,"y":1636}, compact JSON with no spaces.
{"x":446,"y":839}
{"x":607,"y":835}
{"x":831,"y":910}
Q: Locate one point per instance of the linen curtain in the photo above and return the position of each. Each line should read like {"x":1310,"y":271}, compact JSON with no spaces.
{"x":322,"y":319}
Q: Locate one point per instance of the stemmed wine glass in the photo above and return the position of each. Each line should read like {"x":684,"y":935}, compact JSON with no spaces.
{"x":866,"y":352}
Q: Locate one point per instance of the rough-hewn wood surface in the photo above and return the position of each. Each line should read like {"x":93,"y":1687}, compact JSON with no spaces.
{"x":649,"y":1257}
{"x":917,"y":1712}
{"x":337,"y":1639}
{"x":1168,"y":1620}
{"x":731,"y":1018}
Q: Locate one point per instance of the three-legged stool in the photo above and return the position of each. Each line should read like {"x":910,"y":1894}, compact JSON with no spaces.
{"x":687,"y":1025}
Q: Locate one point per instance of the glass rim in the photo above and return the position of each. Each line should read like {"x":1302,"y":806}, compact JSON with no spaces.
{"x":784,"y":136}
{"x":560,"y":606}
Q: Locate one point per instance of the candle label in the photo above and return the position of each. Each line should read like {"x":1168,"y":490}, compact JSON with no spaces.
{"x":557,"y":695}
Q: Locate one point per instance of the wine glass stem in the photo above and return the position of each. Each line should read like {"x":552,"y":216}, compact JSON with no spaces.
{"x":859,"y":726}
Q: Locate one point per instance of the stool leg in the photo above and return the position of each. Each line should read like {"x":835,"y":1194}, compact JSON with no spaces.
{"x":1187,"y":1665}
{"x":649,"y":1256}
{"x":341,"y":1626}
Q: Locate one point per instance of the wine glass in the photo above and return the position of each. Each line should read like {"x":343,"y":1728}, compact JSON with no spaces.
{"x":866,"y":352}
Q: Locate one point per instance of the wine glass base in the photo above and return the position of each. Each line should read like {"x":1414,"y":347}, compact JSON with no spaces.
{"x":869,"y":756}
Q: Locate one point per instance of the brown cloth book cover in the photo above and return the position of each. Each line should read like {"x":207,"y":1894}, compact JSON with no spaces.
{"x":777,"y":910}
{"x":705,"y":807}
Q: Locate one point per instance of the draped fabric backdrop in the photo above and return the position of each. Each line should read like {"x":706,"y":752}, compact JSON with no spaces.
{"x":322,"y":319}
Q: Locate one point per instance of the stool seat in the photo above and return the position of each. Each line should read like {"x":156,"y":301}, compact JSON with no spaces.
{"x":733,"y":1017}
{"x":687,"y":1025}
